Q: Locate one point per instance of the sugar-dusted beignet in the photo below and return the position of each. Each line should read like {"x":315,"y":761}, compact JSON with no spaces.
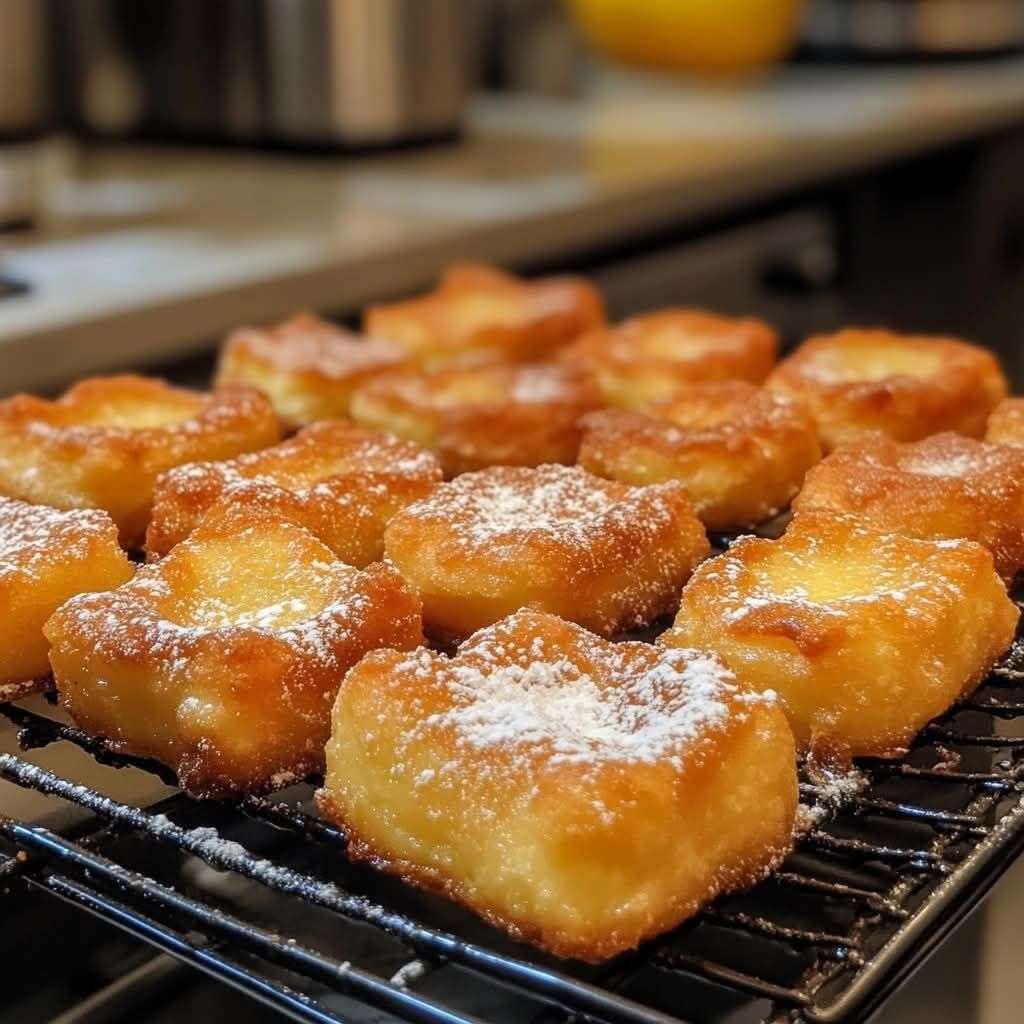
{"x":865,"y":635}
{"x":479,"y":314}
{"x":340,"y":481}
{"x":581,"y":794}
{"x":946,"y":486}
{"x":308,"y":366}
{"x":483,"y":416}
{"x":598,"y":552}
{"x":223,"y":659}
{"x":740,"y":450}
{"x":868,"y":382}
{"x":1006,"y":424}
{"x":104,"y":442}
{"x":646,"y":358}
{"x":46,"y":556}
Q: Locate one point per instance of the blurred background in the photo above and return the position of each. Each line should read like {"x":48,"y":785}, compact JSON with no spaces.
{"x":170,"y":169}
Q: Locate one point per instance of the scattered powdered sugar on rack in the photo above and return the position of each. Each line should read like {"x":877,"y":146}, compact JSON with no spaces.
{"x":832,"y":787}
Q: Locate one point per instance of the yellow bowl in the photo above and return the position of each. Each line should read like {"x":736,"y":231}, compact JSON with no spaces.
{"x":715,"y":37}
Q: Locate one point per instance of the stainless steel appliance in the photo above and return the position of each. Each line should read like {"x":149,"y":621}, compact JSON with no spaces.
{"x":335,"y":73}
{"x":907,"y":28}
{"x":23,"y":108}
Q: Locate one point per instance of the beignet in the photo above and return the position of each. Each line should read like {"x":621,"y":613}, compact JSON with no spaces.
{"x":479,"y":314}
{"x":104,"y":442}
{"x":648,"y":358}
{"x":860,"y":383}
{"x":223,"y":659}
{"x":581,"y":794}
{"x":307,"y":366}
{"x":499,"y":415}
{"x":342,"y":482}
{"x":47,"y":556}
{"x":740,"y":451}
{"x":944,"y":487}
{"x":864,"y":635}
{"x":598,"y":552}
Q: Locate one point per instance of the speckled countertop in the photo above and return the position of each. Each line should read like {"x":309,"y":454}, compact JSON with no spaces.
{"x":146,"y":253}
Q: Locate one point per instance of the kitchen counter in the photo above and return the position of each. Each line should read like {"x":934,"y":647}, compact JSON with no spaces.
{"x":145,"y":253}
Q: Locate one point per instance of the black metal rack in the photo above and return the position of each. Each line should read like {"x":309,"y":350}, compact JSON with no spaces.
{"x":874,"y":884}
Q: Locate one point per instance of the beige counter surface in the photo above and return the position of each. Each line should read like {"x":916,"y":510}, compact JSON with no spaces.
{"x":146,"y":253}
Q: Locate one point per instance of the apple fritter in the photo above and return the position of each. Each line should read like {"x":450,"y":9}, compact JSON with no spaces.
{"x":342,"y":482}
{"x":223,"y":659}
{"x":946,"y":486}
{"x":307,"y":366}
{"x":105,"y":441}
{"x":861,"y":383}
{"x":864,"y":635}
{"x":46,"y":556}
{"x":479,"y":314}
{"x":555,"y":538}
{"x":581,"y":794}
{"x":647,"y":358}
{"x":741,"y":451}
{"x":1006,"y":424}
{"x":501,"y":415}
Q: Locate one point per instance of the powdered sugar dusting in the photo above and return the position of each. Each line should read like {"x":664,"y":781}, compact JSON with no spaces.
{"x":32,"y":536}
{"x":307,"y":344}
{"x":509,"y":502}
{"x":643,"y":718}
{"x":582,"y":703}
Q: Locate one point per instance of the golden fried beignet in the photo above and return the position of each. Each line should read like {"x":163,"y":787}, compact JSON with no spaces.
{"x":308,"y":366}
{"x":1006,"y":424}
{"x":861,"y":383}
{"x":581,"y":794}
{"x":554,"y":538}
{"x":741,"y":451}
{"x":864,"y":635}
{"x":646,"y":358}
{"x":946,"y":486}
{"x":223,"y":659}
{"x":483,"y":416}
{"x":340,"y":481}
{"x":46,"y":556}
{"x":479,"y":314}
{"x":104,"y":442}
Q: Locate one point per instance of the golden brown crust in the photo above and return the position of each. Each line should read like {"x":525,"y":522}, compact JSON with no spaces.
{"x":568,"y":790}
{"x":865,"y":635}
{"x":1006,"y":424}
{"x":343,"y":483}
{"x":222,"y":660}
{"x":861,"y":383}
{"x":479,"y":314}
{"x":647,"y":358}
{"x":307,"y":366}
{"x":740,"y":450}
{"x":523,"y":415}
{"x":598,"y":552}
{"x":47,"y":556}
{"x":946,"y":486}
{"x":105,"y":441}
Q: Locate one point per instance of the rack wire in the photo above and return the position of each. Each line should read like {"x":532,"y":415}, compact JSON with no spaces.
{"x":875,"y":883}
